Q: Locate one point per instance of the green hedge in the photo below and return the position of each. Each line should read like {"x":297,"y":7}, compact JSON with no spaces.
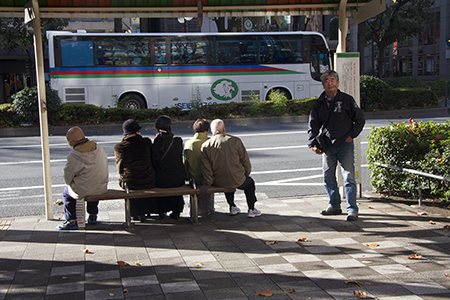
{"x":425,"y":148}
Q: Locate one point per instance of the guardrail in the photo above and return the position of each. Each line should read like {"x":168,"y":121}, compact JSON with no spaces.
{"x":415,"y":172}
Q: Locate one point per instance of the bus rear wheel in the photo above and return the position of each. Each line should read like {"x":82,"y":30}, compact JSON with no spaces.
{"x":283,"y":91}
{"x":132,"y":101}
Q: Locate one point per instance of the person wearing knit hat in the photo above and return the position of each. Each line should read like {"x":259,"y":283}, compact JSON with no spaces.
{"x":134,"y":165}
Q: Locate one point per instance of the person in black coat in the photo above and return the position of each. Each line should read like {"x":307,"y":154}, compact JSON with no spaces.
{"x":134,"y":165}
{"x":167,"y":158}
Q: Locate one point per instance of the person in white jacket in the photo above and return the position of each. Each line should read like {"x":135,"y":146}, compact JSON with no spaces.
{"x":85,"y":173}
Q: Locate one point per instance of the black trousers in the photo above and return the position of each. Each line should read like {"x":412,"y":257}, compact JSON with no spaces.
{"x":249,"y":189}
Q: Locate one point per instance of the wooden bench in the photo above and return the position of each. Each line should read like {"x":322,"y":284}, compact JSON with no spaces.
{"x":114,"y":194}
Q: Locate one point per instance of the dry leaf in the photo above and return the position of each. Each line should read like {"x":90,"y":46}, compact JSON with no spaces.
{"x":59,"y":202}
{"x":422,"y":213}
{"x":360,"y":294}
{"x":415,"y":256}
{"x":446,"y":227}
{"x":271,"y":242}
{"x":86,"y":250}
{"x":122,"y":263}
{"x":199,"y":263}
{"x":292,"y":291}
{"x":138,"y":263}
{"x":301,"y":240}
{"x":64,"y":277}
{"x":447,"y":275}
{"x":112,"y":294}
{"x":353,"y":282}
{"x":266,"y":293}
{"x":372,"y":245}
{"x":431,"y":222}
{"x":367,"y":261}
{"x":125,"y":290}
{"x":368,"y":206}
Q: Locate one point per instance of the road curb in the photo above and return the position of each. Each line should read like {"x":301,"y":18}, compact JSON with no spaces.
{"x":90,"y":129}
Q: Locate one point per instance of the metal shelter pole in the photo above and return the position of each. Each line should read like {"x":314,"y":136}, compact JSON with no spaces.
{"x":39,"y":57}
{"x":342,"y":32}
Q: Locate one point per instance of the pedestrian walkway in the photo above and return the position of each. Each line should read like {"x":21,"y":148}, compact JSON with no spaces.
{"x":290,"y":252}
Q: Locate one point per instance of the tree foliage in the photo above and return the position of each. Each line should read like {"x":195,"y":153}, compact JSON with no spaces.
{"x":401,"y":20}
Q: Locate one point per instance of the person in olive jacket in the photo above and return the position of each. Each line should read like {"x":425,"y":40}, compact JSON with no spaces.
{"x":134,"y":164}
{"x":167,"y":158}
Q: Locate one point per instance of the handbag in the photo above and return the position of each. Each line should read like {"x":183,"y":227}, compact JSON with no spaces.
{"x":321,"y":140}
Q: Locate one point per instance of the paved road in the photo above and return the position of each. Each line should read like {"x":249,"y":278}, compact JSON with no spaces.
{"x":283,"y":166}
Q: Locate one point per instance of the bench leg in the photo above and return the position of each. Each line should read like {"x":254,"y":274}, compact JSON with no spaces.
{"x":128,"y":214}
{"x":194,"y":210}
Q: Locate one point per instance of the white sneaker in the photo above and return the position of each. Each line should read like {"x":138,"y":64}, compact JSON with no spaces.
{"x":254,"y":213}
{"x":234,"y":210}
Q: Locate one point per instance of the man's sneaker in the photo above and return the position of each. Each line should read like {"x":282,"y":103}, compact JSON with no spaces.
{"x":331,"y":211}
{"x":92,"y":219}
{"x":67,"y":225}
{"x":352,"y":216}
{"x":234,"y":210}
{"x":253,"y":213}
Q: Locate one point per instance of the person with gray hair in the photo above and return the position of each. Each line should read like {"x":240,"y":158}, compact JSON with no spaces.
{"x":225,"y":163}
{"x":335,"y":120}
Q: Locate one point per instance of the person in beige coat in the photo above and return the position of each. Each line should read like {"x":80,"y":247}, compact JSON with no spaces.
{"x":225,"y":163}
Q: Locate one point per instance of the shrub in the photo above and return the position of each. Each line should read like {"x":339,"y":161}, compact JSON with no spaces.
{"x":374,"y":93}
{"x":300,"y":106}
{"x":406,"y":98}
{"x":438,"y":86}
{"x":404,"y":82}
{"x":425,"y":148}
{"x":25,"y":104}
{"x":6,"y":115}
{"x":279,"y":100}
{"x":81,"y":114}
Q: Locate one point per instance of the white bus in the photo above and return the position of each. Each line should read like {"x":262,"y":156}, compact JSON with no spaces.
{"x":157,"y":70}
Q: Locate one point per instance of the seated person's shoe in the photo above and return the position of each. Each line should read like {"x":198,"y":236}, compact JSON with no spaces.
{"x":92,"y":219}
{"x":352,"y":216}
{"x":175,"y":215}
{"x":68,"y":225}
{"x":331,"y":211}
{"x":234,"y":210}
{"x":253,"y":213}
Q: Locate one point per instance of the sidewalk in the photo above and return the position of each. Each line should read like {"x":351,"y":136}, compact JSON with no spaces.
{"x":231,"y":257}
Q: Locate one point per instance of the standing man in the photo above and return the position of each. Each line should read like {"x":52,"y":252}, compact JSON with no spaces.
{"x":85,"y":173}
{"x":343,"y":121}
{"x":225,"y":163}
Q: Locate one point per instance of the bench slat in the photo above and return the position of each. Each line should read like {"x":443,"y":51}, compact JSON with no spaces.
{"x":112,"y":194}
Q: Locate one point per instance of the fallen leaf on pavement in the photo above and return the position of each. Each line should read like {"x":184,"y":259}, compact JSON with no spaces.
{"x":122,"y":263}
{"x":199,"y":263}
{"x":301,"y":240}
{"x":125,"y":290}
{"x":292,"y":291}
{"x":360,"y":294}
{"x":431,"y":222}
{"x":415,"y":256}
{"x":422,"y":213}
{"x":447,"y":275}
{"x":112,"y":294}
{"x":271,"y":242}
{"x":266,"y":293}
{"x":367,"y":261}
{"x":368,"y":206}
{"x":138,"y":263}
{"x":446,"y":227}
{"x":59,"y":202}
{"x":86,"y":250}
{"x":372,"y":245}
{"x":353,"y":282}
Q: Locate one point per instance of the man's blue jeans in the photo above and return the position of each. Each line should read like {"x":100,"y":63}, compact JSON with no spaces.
{"x":343,"y":154}
{"x":70,"y":213}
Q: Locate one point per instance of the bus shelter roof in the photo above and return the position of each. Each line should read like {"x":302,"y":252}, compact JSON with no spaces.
{"x":179,"y":8}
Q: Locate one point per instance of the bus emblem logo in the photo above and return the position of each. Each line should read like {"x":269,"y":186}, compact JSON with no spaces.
{"x":224,"y":89}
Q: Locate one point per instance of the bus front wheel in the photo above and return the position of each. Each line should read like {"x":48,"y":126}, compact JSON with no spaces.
{"x":283,"y":91}
{"x":132,"y":101}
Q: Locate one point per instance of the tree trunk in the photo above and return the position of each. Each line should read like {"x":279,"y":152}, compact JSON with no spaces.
{"x":361,"y":46}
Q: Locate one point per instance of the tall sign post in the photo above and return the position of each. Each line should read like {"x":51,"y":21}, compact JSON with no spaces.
{"x":347,"y":66}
